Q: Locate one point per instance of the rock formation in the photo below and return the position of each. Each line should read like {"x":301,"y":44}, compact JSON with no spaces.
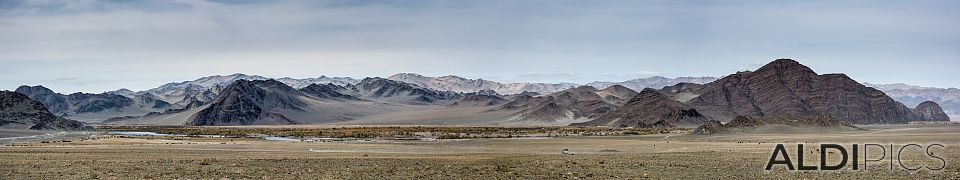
{"x":750,"y":123}
{"x":930,"y":111}
{"x":251,"y":102}
{"x":785,"y":86}
{"x":617,"y":94}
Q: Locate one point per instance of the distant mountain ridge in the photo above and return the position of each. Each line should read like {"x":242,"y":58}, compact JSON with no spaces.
{"x":272,"y":102}
{"x":910,"y":95}
{"x":464,"y":85}
{"x":397,"y":91}
{"x":93,"y":107}
{"x":782,"y":87}
{"x":898,"y":86}
{"x":655,"y":82}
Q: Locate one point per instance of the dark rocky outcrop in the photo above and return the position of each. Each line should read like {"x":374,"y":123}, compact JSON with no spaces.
{"x":18,"y":111}
{"x":87,"y":103}
{"x":930,"y":111}
{"x":647,"y":109}
{"x":251,"y":102}
{"x":785,"y":86}
{"x":480,"y":100}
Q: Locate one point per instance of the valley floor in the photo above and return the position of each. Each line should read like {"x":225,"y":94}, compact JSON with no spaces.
{"x":671,"y":155}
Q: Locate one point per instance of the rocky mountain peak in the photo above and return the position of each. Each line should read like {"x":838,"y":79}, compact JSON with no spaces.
{"x":251,"y":102}
{"x":785,"y":86}
{"x":785,"y":68}
{"x":452,"y":77}
{"x":38,"y":89}
{"x":930,"y":111}
{"x":122,"y":92}
{"x":54,"y":102}
{"x":616,"y":88}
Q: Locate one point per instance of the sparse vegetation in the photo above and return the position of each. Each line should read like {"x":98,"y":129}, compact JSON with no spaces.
{"x":397,"y":132}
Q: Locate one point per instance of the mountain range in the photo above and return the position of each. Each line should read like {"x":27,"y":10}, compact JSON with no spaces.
{"x":655,"y":82}
{"x":464,"y":85}
{"x":89,"y":107}
{"x":782,"y":87}
{"x":17,"y":111}
{"x":910,"y":95}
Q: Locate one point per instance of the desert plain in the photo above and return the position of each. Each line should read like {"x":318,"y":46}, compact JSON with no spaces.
{"x":607,"y":154}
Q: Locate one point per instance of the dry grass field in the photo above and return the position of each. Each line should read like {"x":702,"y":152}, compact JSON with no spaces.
{"x":669,"y":155}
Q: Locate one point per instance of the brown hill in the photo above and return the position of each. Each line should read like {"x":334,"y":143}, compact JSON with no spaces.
{"x":617,"y":94}
{"x":785,"y":86}
{"x":930,"y":111}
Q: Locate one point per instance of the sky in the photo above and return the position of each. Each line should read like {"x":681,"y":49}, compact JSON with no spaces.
{"x":100,"y":45}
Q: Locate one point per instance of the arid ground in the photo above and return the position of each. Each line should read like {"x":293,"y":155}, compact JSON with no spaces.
{"x":669,"y":155}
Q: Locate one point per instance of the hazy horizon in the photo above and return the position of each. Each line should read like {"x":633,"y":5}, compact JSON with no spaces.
{"x":95,"y":46}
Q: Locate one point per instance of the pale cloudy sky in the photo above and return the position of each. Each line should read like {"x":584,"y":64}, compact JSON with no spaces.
{"x":98,"y":45}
